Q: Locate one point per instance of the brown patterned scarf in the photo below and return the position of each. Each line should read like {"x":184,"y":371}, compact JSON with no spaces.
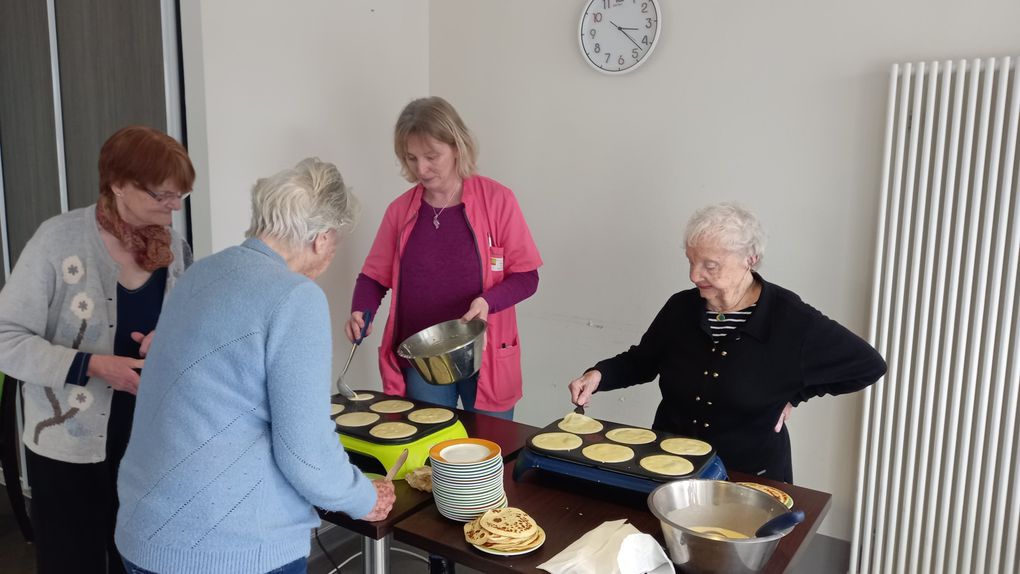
{"x":150,"y":243}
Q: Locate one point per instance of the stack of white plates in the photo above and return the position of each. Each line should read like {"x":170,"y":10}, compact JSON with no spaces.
{"x":467,"y":478}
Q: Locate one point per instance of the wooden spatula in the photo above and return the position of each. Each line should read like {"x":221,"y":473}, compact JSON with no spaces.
{"x":396,"y":465}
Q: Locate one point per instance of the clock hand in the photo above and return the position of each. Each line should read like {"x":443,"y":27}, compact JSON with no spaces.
{"x":626,"y":34}
{"x":631,"y":40}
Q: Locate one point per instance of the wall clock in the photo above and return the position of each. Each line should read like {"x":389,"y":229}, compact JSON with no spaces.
{"x":617,"y":36}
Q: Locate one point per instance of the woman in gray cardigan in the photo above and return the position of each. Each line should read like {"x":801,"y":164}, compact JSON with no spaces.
{"x":76,"y":318}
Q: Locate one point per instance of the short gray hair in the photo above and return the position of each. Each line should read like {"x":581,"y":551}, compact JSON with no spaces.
{"x":732,"y":226}
{"x":297,"y":204}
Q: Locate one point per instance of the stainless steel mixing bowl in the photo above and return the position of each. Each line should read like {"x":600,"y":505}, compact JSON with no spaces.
{"x":683,"y":504}
{"x":447,"y":352}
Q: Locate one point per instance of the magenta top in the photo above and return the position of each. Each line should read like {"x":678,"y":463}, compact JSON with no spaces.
{"x":440,"y":274}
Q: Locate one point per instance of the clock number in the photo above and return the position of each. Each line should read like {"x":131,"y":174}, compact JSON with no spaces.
{"x":648,"y":22}
{"x":644,"y":7}
{"x":592,"y":33}
{"x":634,"y":53}
{"x":596,"y":17}
{"x":644,"y":40}
{"x":597,"y":48}
{"x":607,"y":57}
{"x":620,"y":61}
{"x":605,"y":4}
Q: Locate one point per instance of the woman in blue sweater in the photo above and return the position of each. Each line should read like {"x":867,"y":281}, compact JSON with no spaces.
{"x":234,"y":447}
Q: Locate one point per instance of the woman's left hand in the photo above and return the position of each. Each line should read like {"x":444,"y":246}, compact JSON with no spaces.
{"x":479,"y":308}
{"x":385,"y":496}
{"x":785,"y":416}
{"x":145,"y":340}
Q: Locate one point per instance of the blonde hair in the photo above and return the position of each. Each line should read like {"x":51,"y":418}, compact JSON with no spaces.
{"x":297,"y":204}
{"x":733,"y":226}
{"x":434,"y":117}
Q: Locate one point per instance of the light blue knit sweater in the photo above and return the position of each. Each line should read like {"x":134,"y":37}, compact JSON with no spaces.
{"x":232,"y":443}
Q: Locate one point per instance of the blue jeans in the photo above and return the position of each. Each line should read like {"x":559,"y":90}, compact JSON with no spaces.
{"x":446,"y":395}
{"x":299,"y":566}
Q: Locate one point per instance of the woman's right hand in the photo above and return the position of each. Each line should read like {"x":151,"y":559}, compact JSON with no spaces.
{"x":583,"y":387}
{"x":354,"y":326}
{"x":385,"y":496}
{"x":118,"y":372}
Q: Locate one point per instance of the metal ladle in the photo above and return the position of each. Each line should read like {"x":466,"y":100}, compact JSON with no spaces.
{"x":340,"y":385}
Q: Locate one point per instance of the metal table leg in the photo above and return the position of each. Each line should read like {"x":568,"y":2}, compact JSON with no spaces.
{"x":376,"y":554}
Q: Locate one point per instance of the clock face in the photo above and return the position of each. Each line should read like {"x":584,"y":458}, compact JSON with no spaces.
{"x":617,"y":36}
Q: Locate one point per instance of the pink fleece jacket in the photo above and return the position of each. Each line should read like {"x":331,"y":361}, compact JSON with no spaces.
{"x":505,"y":245}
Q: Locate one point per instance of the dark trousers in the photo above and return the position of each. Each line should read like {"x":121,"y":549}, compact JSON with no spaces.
{"x":74,"y":506}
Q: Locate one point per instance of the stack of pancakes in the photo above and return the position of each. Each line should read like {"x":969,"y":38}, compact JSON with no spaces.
{"x":420,"y":478}
{"x":504,"y":530}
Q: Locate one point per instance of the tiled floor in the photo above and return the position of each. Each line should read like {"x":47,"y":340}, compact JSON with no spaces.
{"x":825,"y":555}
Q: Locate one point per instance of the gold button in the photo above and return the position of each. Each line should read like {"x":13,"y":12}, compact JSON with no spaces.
{"x":695,"y":421}
{"x":706,"y":372}
{"x":709,"y":403}
{"x":723,"y":353}
{"x":715,"y":375}
{"x":698,"y":399}
{"x":706,"y":425}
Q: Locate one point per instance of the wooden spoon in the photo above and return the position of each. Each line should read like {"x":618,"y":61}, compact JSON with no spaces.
{"x":396,"y":465}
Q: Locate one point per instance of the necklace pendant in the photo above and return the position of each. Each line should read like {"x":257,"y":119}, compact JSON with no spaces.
{"x":435,"y":221}
{"x":720,"y":317}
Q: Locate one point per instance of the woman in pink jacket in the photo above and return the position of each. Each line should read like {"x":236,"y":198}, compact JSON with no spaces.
{"x":453,"y":246}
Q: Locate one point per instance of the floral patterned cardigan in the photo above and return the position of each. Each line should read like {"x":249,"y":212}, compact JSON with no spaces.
{"x":60,"y":299}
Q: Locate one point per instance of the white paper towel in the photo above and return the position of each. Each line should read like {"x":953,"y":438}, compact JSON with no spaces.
{"x":613,"y":547}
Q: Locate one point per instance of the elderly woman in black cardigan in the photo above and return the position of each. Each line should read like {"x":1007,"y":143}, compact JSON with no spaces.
{"x":735,"y":354}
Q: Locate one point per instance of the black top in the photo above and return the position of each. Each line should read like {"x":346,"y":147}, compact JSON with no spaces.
{"x":137,"y":310}
{"x":731,"y":392}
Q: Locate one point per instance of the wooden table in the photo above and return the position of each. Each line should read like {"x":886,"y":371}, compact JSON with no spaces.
{"x":376,"y":536}
{"x":567,"y":508}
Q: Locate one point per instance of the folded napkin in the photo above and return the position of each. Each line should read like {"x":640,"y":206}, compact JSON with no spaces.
{"x":614,"y":547}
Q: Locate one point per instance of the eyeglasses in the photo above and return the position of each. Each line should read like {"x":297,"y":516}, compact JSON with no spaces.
{"x":165,"y":196}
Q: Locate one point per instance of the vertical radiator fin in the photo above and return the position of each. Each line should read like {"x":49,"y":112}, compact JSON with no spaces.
{"x":938,"y":458}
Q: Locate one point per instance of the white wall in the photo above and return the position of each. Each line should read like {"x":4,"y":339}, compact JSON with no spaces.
{"x":779,"y":105}
{"x":268,"y":83}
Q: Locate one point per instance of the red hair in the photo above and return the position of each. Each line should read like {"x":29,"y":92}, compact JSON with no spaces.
{"x":146,"y":157}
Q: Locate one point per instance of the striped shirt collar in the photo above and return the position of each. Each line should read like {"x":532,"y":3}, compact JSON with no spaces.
{"x":757,"y":325}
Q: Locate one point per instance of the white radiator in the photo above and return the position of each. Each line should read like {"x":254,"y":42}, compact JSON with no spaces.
{"x":939,"y":461}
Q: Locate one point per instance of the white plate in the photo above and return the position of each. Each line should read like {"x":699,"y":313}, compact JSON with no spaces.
{"x":514,"y":553}
{"x":498,"y":553}
{"x":464,"y":453}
